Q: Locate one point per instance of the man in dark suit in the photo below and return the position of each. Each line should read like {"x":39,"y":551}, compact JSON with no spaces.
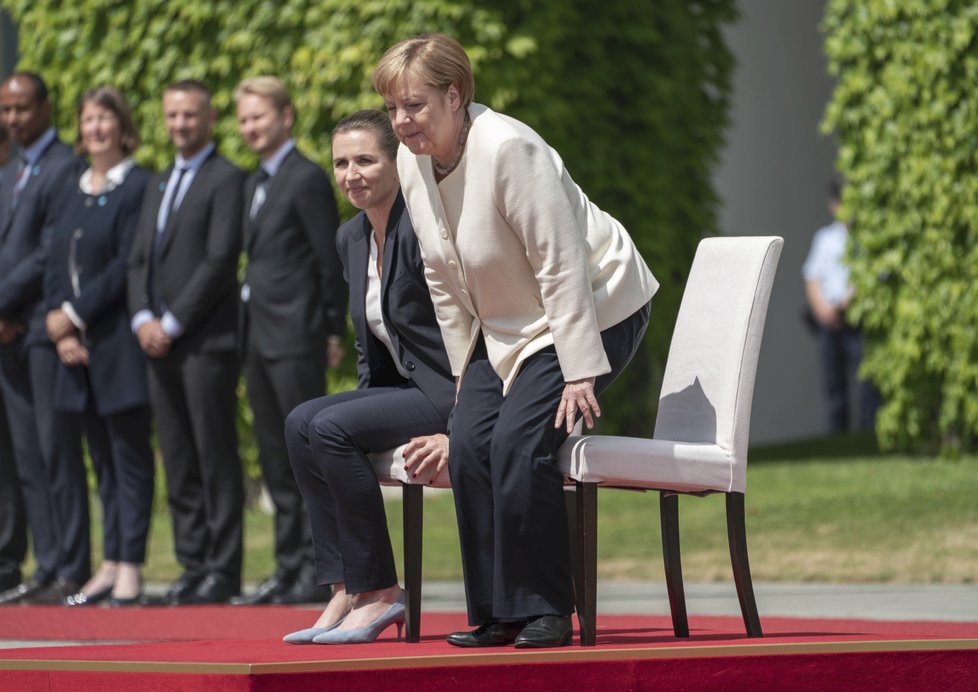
{"x":183,"y":300}
{"x":294,"y":308}
{"x":46,"y":443}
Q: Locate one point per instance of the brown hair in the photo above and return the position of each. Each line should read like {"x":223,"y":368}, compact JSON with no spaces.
{"x":373,"y":121}
{"x":112,"y":100}
{"x":436,"y":60}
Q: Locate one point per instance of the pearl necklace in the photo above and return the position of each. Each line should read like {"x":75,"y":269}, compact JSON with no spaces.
{"x":444,"y":171}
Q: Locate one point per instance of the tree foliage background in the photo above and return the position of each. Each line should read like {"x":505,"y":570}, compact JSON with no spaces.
{"x":906,"y":116}
{"x":634,"y":96}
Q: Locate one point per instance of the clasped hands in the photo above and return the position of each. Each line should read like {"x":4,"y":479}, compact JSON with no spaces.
{"x":62,"y":331}
{"x":153,"y":340}
{"x":10,"y":330}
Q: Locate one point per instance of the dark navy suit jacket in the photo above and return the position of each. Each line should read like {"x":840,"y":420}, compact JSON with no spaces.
{"x":90,"y":244}
{"x":406,"y":305}
{"x":24,"y":232}
{"x":298,"y":297}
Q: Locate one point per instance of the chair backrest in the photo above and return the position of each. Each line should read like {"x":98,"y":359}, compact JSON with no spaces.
{"x":708,"y":383}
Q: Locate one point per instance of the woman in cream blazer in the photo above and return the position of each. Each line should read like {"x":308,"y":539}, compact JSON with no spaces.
{"x":542,"y":299}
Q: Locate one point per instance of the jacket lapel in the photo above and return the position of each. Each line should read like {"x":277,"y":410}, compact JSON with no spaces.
{"x":188,"y":200}
{"x":357,"y":271}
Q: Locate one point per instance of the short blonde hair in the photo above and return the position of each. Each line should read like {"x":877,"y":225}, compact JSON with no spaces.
{"x":436,"y":60}
{"x":266,"y":86}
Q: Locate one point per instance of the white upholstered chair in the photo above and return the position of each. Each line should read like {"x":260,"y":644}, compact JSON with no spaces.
{"x":700,"y":441}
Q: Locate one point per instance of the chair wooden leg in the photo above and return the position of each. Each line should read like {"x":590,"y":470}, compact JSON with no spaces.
{"x":586,"y":562}
{"x":672,"y":560}
{"x":570,"y":505}
{"x":737,"y":538}
{"x":413,"y":511}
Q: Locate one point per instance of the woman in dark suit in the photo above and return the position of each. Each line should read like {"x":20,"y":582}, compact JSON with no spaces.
{"x":102,"y":372}
{"x":405,"y":393}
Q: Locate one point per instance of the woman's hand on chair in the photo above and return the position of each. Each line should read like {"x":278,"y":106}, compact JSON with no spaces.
{"x":578,"y":396}
{"x":426,"y":452}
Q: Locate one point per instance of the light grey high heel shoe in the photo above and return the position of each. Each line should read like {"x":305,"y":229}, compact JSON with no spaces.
{"x":364,"y":635}
{"x":308,"y":635}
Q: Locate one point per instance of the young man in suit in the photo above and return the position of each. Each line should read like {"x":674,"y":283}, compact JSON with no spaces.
{"x":46,"y":443}
{"x":294,"y":314}
{"x":183,"y":300}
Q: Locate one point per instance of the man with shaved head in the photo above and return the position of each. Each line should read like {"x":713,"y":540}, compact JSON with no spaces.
{"x":46,"y":442}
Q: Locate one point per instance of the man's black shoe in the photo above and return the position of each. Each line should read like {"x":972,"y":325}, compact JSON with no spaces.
{"x":546,"y":631}
{"x":268,"y":591}
{"x":54,"y":593}
{"x":304,"y":589}
{"x":215,"y":588}
{"x":25,"y":590}
{"x":180,"y":591}
{"x":488,"y":634}
{"x":9,"y":579}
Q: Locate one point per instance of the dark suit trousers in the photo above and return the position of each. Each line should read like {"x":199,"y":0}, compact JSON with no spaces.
{"x":275,"y":387}
{"x":329,"y":439}
{"x":47,"y":451}
{"x":508,"y":489}
{"x":193,"y":397}
{"x":123,"y":460}
{"x":13,"y":523}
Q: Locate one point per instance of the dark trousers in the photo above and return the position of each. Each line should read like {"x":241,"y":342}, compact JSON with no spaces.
{"x":841,"y":352}
{"x":194,"y":399}
{"x":47,"y":451}
{"x":509,"y":497}
{"x":13,"y":523}
{"x":329,"y":439}
{"x":123,"y":460}
{"x":275,"y":387}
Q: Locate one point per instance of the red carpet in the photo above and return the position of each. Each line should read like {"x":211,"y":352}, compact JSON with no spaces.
{"x":240,"y":649}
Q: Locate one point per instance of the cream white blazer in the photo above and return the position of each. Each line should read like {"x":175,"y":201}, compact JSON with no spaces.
{"x":514,"y":248}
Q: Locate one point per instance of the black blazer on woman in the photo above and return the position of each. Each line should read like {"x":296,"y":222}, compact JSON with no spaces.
{"x":86,"y":266}
{"x":406,"y":306}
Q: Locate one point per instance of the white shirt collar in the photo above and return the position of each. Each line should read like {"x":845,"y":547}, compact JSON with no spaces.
{"x":113,"y":178}
{"x":274,"y":162}
{"x":197,"y":160}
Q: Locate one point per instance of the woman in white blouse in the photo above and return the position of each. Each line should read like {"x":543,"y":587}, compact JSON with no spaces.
{"x":542,"y":299}
{"x":405,"y":394}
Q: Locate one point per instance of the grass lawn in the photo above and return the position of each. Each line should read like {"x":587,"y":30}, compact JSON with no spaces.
{"x":823,"y":510}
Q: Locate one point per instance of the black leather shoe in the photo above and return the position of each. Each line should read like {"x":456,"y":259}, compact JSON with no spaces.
{"x":215,"y":588}
{"x":546,"y":631}
{"x":488,"y":634}
{"x":81,"y":598}
{"x":182,"y":590}
{"x":305,"y":590}
{"x":54,"y":593}
{"x":9,"y":579}
{"x":24,"y":590}
{"x":268,"y":591}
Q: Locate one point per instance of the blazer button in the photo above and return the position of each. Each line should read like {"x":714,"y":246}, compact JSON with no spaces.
{"x":444,"y":234}
{"x":409,"y":364}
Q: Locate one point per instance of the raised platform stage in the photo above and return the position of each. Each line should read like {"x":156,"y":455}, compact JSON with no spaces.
{"x":224,"y":648}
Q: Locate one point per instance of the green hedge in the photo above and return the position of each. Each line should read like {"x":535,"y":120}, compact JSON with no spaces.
{"x":906,"y":117}
{"x":633,"y":95}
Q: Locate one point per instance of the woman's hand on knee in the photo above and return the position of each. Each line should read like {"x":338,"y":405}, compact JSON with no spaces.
{"x":578,"y":396}
{"x":427,"y":452}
